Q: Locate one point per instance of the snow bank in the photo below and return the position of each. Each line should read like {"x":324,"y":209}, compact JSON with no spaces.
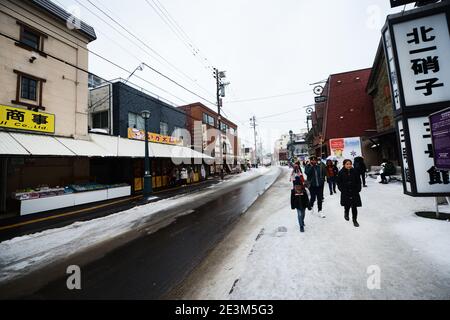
{"x":25,"y":254}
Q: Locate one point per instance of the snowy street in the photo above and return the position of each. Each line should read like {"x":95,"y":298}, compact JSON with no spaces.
{"x":165,"y":239}
{"x":266,"y":257}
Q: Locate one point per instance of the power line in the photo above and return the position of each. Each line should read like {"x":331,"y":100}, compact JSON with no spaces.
{"x":135,"y":91}
{"x":162,"y":12}
{"x":154,"y":51}
{"x":178,"y":31}
{"x":271,"y":97}
{"x":94,"y":53}
{"x":279,"y":114}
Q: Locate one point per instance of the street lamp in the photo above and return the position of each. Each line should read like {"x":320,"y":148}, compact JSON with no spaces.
{"x":291,"y":152}
{"x":147,"y":175}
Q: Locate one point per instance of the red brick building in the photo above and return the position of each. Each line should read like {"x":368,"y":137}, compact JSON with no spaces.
{"x":348,"y":112}
{"x":197,"y":112}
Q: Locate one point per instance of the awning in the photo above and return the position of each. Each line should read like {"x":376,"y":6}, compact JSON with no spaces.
{"x":98,"y":146}
{"x":86,"y":148}
{"x":109,"y":143}
{"x":9,"y":146}
{"x":40,"y":145}
{"x":132,"y":148}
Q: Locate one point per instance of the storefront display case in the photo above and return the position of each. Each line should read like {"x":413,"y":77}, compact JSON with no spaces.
{"x":45,"y":199}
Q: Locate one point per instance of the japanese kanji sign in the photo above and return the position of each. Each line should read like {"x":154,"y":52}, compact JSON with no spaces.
{"x":404,"y":154}
{"x":440,"y":134}
{"x":392,"y":68}
{"x":152,"y":137}
{"x":419,"y":170}
{"x":23,"y":119}
{"x":422,"y":47}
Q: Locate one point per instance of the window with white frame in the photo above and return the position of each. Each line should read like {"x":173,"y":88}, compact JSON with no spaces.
{"x":136,"y":121}
{"x":163,"y":128}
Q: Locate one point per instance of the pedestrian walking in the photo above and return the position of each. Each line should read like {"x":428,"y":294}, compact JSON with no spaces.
{"x":316,"y":180}
{"x":321,"y":161}
{"x":184,"y":176}
{"x":361,"y":168}
{"x":332,"y":172}
{"x":296,"y":172}
{"x":299,"y":200}
{"x":349,"y":183}
{"x":203,"y":172}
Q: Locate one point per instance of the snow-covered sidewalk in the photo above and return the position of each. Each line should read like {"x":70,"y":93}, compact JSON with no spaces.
{"x":23,"y":255}
{"x":266,"y":257}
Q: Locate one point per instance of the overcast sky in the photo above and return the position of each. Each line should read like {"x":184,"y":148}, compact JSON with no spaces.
{"x":267,"y":47}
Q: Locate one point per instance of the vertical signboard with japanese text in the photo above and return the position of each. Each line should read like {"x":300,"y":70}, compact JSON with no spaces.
{"x":417,"y":49}
{"x":404,"y":153}
{"x":423,"y":45}
{"x":392,"y":69}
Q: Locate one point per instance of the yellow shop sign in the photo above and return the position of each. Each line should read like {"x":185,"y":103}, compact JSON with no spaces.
{"x":23,"y":119}
{"x":153,"y":137}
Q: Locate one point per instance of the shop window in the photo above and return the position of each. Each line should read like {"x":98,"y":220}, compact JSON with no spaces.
{"x":100,"y":120}
{"x":136,"y":121}
{"x":224,"y":127}
{"x":163,"y":128}
{"x":28,"y":88}
{"x":30,"y":38}
{"x":29,"y":91}
{"x":207,"y":119}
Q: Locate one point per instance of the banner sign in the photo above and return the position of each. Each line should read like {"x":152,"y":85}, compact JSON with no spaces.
{"x":153,"y":137}
{"x":23,"y":119}
{"x":346,"y":148}
{"x":440,"y":135}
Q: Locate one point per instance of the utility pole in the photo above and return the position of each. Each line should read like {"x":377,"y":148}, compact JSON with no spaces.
{"x":253,"y":124}
{"x":220,"y":86}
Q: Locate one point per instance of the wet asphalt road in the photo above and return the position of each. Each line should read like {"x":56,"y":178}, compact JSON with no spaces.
{"x":149,"y":267}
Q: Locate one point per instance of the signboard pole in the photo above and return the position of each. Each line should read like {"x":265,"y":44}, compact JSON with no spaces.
{"x":437,"y":208}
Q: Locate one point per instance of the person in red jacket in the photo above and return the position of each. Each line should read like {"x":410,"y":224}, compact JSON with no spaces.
{"x":332,"y":172}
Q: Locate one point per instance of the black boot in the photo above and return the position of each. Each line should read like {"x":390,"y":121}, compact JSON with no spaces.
{"x":355,"y":218}
{"x":346,"y":216}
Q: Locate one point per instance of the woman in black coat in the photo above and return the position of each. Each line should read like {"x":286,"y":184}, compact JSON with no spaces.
{"x":300,"y":200}
{"x":349,"y":184}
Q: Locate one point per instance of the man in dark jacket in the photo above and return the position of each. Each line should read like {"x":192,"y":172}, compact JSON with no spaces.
{"x":349,"y":183}
{"x":316,"y":179}
{"x":361,"y":169}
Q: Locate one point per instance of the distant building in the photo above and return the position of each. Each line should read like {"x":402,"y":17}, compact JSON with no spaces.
{"x":200,"y":118}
